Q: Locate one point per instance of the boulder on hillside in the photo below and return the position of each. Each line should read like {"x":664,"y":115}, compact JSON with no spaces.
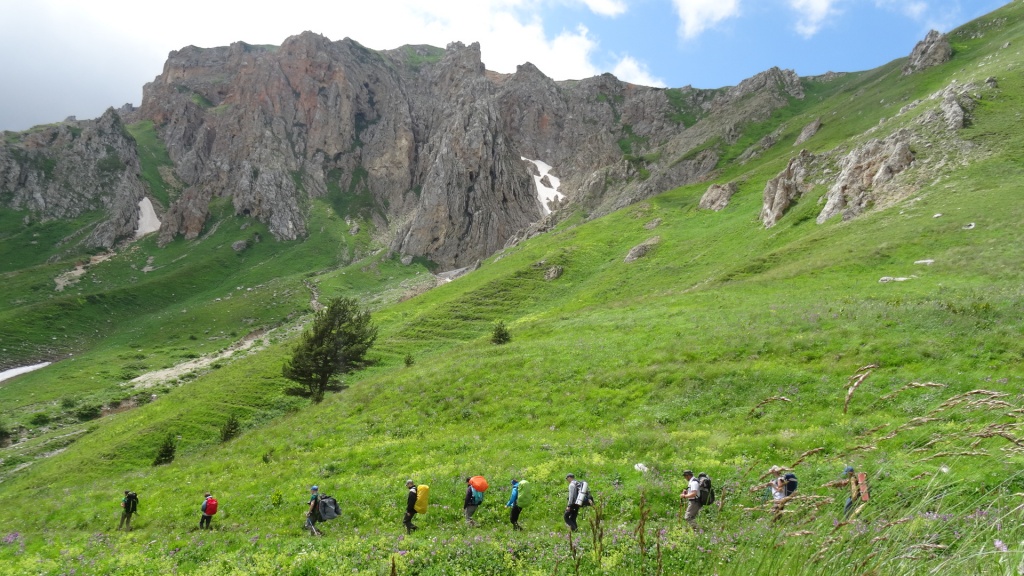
{"x":717,"y":196}
{"x":642,"y":250}
{"x":935,"y":49}
{"x":808,"y":132}
{"x":652,"y":224}
{"x":553,"y":273}
{"x":864,"y":174}
{"x":781,"y":191}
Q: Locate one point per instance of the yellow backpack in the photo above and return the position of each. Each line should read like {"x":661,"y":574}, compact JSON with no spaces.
{"x":422,"y":499}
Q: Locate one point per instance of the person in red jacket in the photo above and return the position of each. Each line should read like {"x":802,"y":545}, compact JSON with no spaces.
{"x":209,"y":508}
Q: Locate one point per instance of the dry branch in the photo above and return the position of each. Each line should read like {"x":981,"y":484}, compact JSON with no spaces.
{"x":857,"y":380}
{"x":913,"y":385}
{"x":805,"y":455}
{"x":767,"y":401}
{"x":951,"y":454}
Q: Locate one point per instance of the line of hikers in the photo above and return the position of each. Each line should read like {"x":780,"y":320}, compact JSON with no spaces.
{"x":697,"y":494}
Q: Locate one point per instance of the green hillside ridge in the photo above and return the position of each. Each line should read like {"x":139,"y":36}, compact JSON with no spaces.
{"x":727,"y":349}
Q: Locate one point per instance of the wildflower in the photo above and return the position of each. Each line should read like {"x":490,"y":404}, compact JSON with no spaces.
{"x":640,"y":467}
{"x":1001,"y":546}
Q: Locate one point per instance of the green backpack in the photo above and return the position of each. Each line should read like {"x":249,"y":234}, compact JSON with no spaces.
{"x":524,"y":497}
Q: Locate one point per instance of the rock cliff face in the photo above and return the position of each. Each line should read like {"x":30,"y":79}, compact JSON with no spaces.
{"x":66,"y":170}
{"x":423,"y":143}
{"x":935,"y":49}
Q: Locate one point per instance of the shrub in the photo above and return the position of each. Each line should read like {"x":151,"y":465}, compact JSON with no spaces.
{"x":88,"y":412}
{"x":409,"y":360}
{"x":230,"y":429}
{"x":166,"y":453}
{"x":39,"y":419}
{"x":500,"y":333}
{"x":68,"y":403}
{"x":5,"y":432}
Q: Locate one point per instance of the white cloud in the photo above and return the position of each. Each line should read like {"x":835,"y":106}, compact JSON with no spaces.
{"x":630,"y":70}
{"x":812,"y":14}
{"x":606,"y":7}
{"x":696,"y":16}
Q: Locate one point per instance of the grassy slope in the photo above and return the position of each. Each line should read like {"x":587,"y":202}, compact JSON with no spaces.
{"x":662,"y":361}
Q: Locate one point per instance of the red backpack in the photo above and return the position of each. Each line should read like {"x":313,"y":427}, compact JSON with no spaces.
{"x":211,"y":506}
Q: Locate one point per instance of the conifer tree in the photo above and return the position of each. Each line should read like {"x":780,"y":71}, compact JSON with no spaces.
{"x":335,"y":344}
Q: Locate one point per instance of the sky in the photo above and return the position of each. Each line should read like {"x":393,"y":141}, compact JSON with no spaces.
{"x":61,"y":58}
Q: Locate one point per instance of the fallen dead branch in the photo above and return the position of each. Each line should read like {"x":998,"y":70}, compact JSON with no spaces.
{"x":911,"y":386}
{"x":805,"y":455}
{"x":768,"y":401}
{"x":857,"y":380}
{"x":951,"y":455}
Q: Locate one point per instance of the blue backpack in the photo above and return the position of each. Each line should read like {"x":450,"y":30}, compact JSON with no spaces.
{"x":478,"y":496}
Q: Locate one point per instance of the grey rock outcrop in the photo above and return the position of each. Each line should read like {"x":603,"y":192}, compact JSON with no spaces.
{"x":808,"y":132}
{"x":865,"y":175}
{"x":780,"y":192}
{"x":717,"y":196}
{"x":641,"y":250}
{"x":66,"y":170}
{"x":956,"y":104}
{"x":935,"y":49}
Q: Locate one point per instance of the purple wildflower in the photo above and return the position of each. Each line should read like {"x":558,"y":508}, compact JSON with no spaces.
{"x":1001,"y":546}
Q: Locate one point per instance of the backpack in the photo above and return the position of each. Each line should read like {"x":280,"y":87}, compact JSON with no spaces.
{"x":211,"y":506}
{"x":523,"y":497}
{"x":328,"y":507}
{"x":584,"y":498}
{"x":422,"y":499}
{"x":479,"y":483}
{"x":791,"y":483}
{"x":131,"y":502}
{"x":477,"y":497}
{"x":705,"y":494}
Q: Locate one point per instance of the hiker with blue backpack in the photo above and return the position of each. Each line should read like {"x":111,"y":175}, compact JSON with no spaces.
{"x":518,"y":488}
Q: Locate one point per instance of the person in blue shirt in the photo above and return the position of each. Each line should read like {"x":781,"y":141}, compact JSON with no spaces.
{"x":514,"y":504}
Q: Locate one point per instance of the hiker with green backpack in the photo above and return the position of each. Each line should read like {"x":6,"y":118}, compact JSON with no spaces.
{"x":516,"y":501}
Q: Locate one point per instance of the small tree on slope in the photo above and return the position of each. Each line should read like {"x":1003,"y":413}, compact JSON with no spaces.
{"x":335,"y":344}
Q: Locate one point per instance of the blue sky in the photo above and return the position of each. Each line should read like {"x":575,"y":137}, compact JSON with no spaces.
{"x":71,"y":57}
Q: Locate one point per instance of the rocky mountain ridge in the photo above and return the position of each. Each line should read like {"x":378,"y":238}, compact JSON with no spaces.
{"x":424,"y":144}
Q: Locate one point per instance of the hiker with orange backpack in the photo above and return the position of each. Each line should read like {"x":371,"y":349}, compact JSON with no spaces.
{"x":208,"y":508}
{"x":475,"y":488}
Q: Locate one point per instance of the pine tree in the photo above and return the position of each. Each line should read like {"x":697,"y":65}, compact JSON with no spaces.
{"x":166,"y":453}
{"x":230,"y":429}
{"x":335,"y":344}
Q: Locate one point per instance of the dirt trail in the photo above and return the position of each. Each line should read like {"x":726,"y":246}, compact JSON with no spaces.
{"x":71,"y":277}
{"x":150,"y":379}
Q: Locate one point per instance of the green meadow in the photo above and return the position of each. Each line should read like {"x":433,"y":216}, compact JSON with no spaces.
{"x":729,"y":348}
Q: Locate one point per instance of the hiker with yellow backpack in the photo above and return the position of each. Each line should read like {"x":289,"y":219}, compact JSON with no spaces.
{"x":415,"y":503}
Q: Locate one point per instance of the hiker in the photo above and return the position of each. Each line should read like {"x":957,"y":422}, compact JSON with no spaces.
{"x":858,"y":490}
{"x":777,"y":484}
{"x":313,"y":513}
{"x":471,"y":503}
{"x":208,"y":508}
{"x":410,"y":507}
{"x":129,"y":506}
{"x":572,"y":508}
{"x":692,"y":496}
{"x":513,"y":502}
